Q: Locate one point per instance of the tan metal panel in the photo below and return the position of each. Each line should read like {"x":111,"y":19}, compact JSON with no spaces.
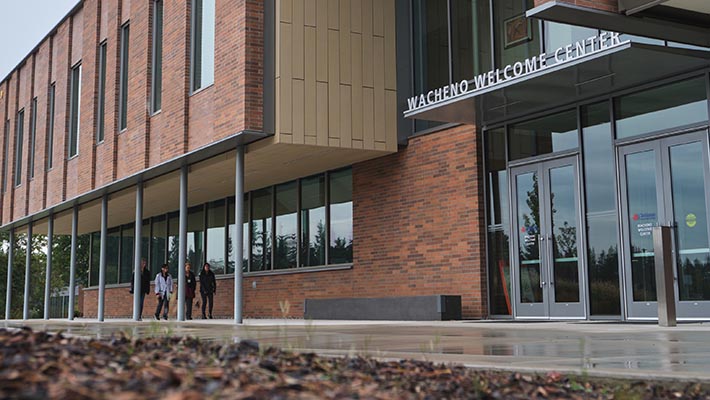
{"x":333,"y":83}
{"x":390,"y":46}
{"x":378,"y":62}
{"x":379,"y":116}
{"x":286,"y":10}
{"x":286,"y":109}
{"x":378,"y":23}
{"x":368,"y":117}
{"x":345,"y":67}
{"x":379,"y":67}
{"x":277,"y":105}
{"x":356,"y":16}
{"x":333,"y":14}
{"x":310,"y":82}
{"x":333,"y":142}
{"x":285,"y":138}
{"x":380,"y":146}
{"x":311,"y":140}
{"x":298,"y":110}
{"x":298,"y":39}
{"x":322,"y":113}
{"x":310,"y":13}
{"x":356,"y":50}
{"x":345,"y":116}
{"x":322,"y":41}
{"x":367,"y":44}
{"x":357,"y":144}
{"x":391,"y":120}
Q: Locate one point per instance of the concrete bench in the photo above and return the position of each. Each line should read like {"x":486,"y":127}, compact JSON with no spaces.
{"x":414,"y":308}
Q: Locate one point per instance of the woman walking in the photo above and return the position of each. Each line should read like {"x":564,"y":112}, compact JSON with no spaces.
{"x":163,"y":289}
{"x":208,"y":287}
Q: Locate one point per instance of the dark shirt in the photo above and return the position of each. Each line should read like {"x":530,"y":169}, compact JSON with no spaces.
{"x":145,"y":281}
{"x":191,"y":285}
{"x":208,"y":283}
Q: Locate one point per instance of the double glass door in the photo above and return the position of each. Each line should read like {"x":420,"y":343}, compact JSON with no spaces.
{"x":665,"y":181}
{"x":547,"y":261}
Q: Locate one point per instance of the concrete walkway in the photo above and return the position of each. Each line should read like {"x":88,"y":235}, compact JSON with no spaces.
{"x":631,"y":350}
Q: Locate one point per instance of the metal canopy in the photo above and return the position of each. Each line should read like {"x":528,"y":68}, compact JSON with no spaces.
{"x":615,"y":68}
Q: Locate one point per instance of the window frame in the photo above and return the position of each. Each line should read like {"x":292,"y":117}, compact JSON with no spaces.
{"x":19,"y":139}
{"x":50,"y":126}
{"x":101,"y":100}
{"x":74,"y":112}
{"x":33,"y":137}
{"x":123,"y":76}
{"x":196,"y":45}
{"x":156,"y":86}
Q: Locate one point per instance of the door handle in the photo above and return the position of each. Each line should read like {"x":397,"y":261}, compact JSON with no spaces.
{"x":541,"y":240}
{"x":552,"y":255}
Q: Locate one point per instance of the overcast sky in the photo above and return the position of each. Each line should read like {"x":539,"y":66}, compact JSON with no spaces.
{"x":24,"y":24}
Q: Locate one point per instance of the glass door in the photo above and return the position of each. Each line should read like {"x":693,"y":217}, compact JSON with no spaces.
{"x":666,"y":182}
{"x":548,"y":267}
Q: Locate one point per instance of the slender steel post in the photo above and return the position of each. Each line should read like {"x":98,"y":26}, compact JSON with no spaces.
{"x":28,"y":262}
{"x":72,"y":260}
{"x":10,"y":260}
{"x":238,"y":244}
{"x":102,"y":256}
{"x":137,"y":246}
{"x":182,"y":247}
{"x":48,"y":271}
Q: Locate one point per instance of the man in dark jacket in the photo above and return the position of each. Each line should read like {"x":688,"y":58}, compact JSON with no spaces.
{"x":145,"y":286}
{"x":208,"y":287}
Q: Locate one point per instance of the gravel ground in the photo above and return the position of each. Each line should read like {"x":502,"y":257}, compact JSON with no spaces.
{"x":38,"y":365}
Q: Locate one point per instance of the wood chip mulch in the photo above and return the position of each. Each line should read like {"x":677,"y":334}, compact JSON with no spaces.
{"x":38,"y":365}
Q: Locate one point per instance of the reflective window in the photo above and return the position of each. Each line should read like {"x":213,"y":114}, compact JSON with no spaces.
{"x":559,"y":35}
{"x":216,"y":239}
{"x":157,"y":67}
{"x":470,"y":38}
{"x":341,"y":217}
{"x":516,"y":37}
{"x":544,"y":135}
{"x":50,"y":131}
{"x":203,"y":14}
{"x":113,"y":247}
{"x":94,"y":264}
{"x":127,"y":237}
{"x":158,"y":244}
{"x":5,"y":152}
{"x":261,"y":230}
{"x":33,"y":136}
{"x":74,"y":111}
{"x":19,"y":142}
{"x":664,"y":107}
{"x":173,"y":243}
{"x":100,"y":114}
{"x":600,"y":189}
{"x":123,"y":89}
{"x":285,"y":245}
{"x":313,"y":228}
{"x":195,"y":238}
{"x":245,"y":235}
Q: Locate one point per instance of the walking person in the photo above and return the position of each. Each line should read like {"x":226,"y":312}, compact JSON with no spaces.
{"x":190,"y":287}
{"x":145,"y":286}
{"x":208,"y":288}
{"x":163,"y":289}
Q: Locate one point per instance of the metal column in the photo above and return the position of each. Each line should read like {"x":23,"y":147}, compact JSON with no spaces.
{"x":238,"y":244}
{"x":28,"y":262}
{"x":102,"y":256}
{"x":663,"y":258}
{"x":48,"y":272}
{"x":137,"y":247}
{"x":72,"y":260}
{"x":182,"y":247}
{"x":10,"y":260}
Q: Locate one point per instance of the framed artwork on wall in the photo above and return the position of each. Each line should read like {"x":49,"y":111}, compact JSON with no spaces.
{"x":517,"y":29}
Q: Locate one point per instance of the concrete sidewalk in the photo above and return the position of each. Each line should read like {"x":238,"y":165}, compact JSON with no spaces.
{"x":631,"y":350}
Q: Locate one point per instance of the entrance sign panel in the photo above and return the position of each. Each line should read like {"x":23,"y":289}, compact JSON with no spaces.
{"x":547,"y":266}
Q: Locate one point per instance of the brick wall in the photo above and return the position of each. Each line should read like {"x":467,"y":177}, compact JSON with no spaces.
{"x":605,"y":5}
{"x":185,"y":122}
{"x":418,"y":227}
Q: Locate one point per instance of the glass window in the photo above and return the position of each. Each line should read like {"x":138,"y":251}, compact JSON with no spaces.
{"x":641,"y":39}
{"x":560,"y":35}
{"x":430,"y":39}
{"x":127,"y":237}
{"x":33,"y":136}
{"x":341,"y":217}
{"x":286,"y":247}
{"x":498,"y":230}
{"x":123,"y":90}
{"x":245,"y":235}
{"x":50,"y":131}
{"x":313,"y":235}
{"x":100,"y":118}
{"x":195,"y":238}
{"x":261,"y":230}
{"x":665,"y":107}
{"x":75,"y":111}
{"x":516,"y":37}
{"x":5,"y":153}
{"x":19,"y":142}
{"x":203,"y":17}
{"x":113,"y":246}
{"x":215,"y":236}
{"x":600,"y":190}
{"x":544,"y":135}
{"x":173,"y":243}
{"x":470,"y":38}
{"x":94,"y":264}
{"x":157,"y":67}
{"x":158,"y":244}
{"x":145,"y":243}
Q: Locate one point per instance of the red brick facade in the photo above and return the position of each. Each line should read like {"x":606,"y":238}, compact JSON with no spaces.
{"x":418,"y":229}
{"x":186,"y":122}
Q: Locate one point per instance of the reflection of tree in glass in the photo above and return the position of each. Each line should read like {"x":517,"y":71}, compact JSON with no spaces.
{"x":531,"y":223}
{"x":314,"y":252}
{"x":566,"y":241}
{"x":694,"y":279}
